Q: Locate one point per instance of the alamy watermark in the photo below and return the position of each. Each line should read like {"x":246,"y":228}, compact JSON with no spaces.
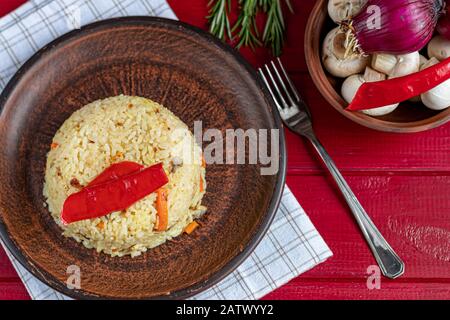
{"x":74,"y":277}
{"x":374,"y":277}
{"x":239,"y":146}
{"x":374,"y":20}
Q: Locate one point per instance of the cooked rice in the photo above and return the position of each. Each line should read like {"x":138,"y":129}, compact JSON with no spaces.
{"x":110,"y":131}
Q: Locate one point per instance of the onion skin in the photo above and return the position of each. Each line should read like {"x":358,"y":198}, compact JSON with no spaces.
{"x":406,"y":26}
{"x":443,"y":26}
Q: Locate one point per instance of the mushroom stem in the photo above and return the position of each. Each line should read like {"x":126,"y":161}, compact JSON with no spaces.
{"x":396,"y":65}
{"x":371,"y":75}
{"x":384,"y":63}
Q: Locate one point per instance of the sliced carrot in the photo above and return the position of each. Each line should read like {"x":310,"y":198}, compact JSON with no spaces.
{"x":203,"y":162}
{"x":117,"y":156}
{"x":161,"y":209}
{"x":54,"y":145}
{"x":100,"y":225}
{"x":191,"y":227}
{"x":201,"y":184}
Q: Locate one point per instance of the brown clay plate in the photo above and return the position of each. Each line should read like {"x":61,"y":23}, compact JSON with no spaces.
{"x":195,"y":76}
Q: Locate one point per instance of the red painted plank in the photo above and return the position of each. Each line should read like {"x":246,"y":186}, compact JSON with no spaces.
{"x":353,"y":290}
{"x":13,"y":291}
{"x":419,"y":229}
{"x":356,"y":148}
{"x":9,"y":5}
{"x":194,"y":12}
{"x":6,"y":269}
{"x":419,"y":164}
{"x":353,"y":147}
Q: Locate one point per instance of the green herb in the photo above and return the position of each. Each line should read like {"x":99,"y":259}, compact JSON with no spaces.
{"x":219,"y":24}
{"x":248,"y":33}
{"x":273,"y":35}
{"x":245,"y":27}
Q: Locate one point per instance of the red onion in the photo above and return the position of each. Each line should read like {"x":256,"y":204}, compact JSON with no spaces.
{"x":443,"y":26}
{"x":405,"y":26}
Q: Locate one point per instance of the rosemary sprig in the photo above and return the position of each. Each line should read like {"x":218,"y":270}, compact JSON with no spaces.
{"x":219,"y":24}
{"x":248,"y":33}
{"x":245,"y":27}
{"x":273,"y":35}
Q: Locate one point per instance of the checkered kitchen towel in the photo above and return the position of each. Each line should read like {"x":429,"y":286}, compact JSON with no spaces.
{"x":292,"y":245}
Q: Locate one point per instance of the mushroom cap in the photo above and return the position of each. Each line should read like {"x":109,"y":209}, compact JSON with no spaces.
{"x":378,"y":112}
{"x":340,"y":10}
{"x":437,"y":98}
{"x":351,"y":86}
{"x":406,"y":64}
{"x":439,"y":47}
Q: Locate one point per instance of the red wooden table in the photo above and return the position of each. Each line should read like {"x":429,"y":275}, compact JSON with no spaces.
{"x":403,"y":181}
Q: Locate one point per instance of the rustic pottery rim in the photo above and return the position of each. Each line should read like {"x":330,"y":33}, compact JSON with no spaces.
{"x":266,"y":221}
{"x":312,"y":56}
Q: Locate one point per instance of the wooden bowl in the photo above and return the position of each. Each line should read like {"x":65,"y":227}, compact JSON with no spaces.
{"x":408,"y":117}
{"x":196,"y":77}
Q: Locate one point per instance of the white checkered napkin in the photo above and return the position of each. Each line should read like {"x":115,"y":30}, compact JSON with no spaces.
{"x":38,"y":22}
{"x":292,"y":244}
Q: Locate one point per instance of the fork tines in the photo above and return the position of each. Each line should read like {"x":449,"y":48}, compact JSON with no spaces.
{"x":275,"y":76}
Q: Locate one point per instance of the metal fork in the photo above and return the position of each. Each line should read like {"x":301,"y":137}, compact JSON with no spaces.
{"x":296,"y":116}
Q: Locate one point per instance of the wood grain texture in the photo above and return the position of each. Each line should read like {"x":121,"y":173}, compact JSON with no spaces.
{"x":347,"y":289}
{"x":364,"y":151}
{"x":417,"y":166}
{"x":6,"y":269}
{"x":8,"y":6}
{"x":407,"y":225}
{"x":13,"y":290}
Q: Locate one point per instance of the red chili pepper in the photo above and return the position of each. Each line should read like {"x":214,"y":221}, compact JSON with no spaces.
{"x":116,"y":171}
{"x":383,"y":93}
{"x":114,"y":195}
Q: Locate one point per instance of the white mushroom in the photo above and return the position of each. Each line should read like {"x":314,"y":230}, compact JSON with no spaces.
{"x":340,"y":10}
{"x":371,"y":75}
{"x":439,"y":48}
{"x":333,"y":56}
{"x":351,"y":86}
{"x":395,"y":66}
{"x":422,"y":60}
{"x":437,"y":98}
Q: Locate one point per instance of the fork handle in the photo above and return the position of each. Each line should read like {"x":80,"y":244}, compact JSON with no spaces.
{"x":390,"y":264}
